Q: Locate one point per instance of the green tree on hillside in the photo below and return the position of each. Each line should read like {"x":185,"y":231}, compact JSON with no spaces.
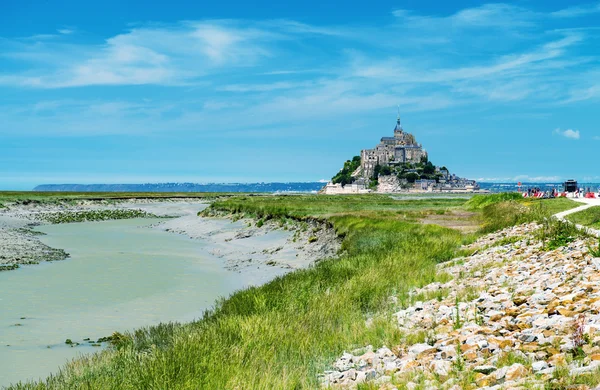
{"x":428,"y":168}
{"x":411,"y":177}
{"x":344,"y":176}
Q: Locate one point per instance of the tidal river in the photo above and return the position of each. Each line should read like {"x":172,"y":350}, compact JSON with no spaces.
{"x":121,"y":275}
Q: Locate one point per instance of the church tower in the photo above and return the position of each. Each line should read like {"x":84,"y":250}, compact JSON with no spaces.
{"x":398,"y":131}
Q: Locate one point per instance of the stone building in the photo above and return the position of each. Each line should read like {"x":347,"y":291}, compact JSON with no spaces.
{"x":401,"y":148}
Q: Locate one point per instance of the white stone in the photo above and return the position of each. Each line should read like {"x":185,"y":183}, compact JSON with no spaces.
{"x":420,"y":348}
{"x":441,"y":367}
{"x":539,"y":366}
{"x":501,"y":373}
{"x":384,"y":352}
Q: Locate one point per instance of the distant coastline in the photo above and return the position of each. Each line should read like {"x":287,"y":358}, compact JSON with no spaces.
{"x":275,"y":187}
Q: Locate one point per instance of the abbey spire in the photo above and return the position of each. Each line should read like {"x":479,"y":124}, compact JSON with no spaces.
{"x":398,"y":125}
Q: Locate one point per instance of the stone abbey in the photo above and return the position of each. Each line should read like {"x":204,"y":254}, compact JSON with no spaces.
{"x":399,"y":149}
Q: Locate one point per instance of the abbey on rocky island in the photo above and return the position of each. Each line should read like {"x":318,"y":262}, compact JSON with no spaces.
{"x":396,"y":164}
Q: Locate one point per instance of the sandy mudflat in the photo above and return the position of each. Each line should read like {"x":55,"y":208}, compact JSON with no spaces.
{"x":239,"y":244}
{"x":20,"y":245}
{"x":242,"y":244}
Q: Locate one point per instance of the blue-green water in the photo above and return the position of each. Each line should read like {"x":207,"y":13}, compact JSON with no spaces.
{"x":121,"y":275}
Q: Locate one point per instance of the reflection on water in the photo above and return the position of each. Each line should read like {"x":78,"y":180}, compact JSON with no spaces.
{"x":121,"y":275}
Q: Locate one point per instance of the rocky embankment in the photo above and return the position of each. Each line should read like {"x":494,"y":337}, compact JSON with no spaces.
{"x":511,"y":316}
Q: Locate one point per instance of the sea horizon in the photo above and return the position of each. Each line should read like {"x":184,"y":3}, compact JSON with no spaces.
{"x":272,"y":187}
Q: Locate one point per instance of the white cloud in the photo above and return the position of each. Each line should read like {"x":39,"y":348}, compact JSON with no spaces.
{"x":596,"y":137}
{"x":583,"y":93}
{"x":492,"y":15}
{"x":569,"y":133}
{"x":484,"y":16}
{"x":577,"y":11}
{"x":398,"y":68}
{"x":263,"y":87}
{"x":148,"y":55}
{"x":250,"y":66}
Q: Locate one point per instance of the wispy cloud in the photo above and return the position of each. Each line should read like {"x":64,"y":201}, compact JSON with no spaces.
{"x":263,"y":87}
{"x":485,"y":16}
{"x":275,"y":71}
{"x":569,"y":133}
{"x":577,"y":11}
{"x":584,"y":92}
{"x":147,"y":55}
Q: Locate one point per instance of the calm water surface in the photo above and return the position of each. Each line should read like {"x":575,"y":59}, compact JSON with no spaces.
{"x":121,"y":275}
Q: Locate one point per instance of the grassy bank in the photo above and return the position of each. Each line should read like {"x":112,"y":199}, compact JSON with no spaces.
{"x":589,"y":217}
{"x":509,"y":209}
{"x":280,"y":335}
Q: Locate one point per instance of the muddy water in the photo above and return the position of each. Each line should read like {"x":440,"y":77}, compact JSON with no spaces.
{"x":121,"y":275}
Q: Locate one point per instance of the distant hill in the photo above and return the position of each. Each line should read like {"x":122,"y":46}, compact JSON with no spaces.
{"x":184,"y":187}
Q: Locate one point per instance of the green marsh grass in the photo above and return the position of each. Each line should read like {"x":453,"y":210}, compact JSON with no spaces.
{"x":505,"y":213}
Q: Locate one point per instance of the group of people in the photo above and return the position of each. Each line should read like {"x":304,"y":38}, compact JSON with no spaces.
{"x":586,"y":193}
{"x":536,"y":192}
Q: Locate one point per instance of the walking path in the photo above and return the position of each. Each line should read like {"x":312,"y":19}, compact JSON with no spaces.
{"x":587,"y":203}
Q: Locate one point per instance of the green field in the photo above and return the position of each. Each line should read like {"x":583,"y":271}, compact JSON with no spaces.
{"x":588,"y":217}
{"x":282,"y":334}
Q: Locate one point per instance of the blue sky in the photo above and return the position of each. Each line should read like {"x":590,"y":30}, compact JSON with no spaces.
{"x":286,"y":91}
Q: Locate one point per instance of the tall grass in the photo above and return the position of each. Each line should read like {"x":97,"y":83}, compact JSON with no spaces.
{"x":504,"y":213}
{"x":588,"y":217}
{"x":478,"y":202}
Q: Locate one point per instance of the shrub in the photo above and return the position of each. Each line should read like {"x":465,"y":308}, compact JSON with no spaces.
{"x":556,"y":233}
{"x":595,"y":252}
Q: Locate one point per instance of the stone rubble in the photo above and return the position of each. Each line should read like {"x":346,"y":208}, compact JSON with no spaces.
{"x":510,"y":316}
